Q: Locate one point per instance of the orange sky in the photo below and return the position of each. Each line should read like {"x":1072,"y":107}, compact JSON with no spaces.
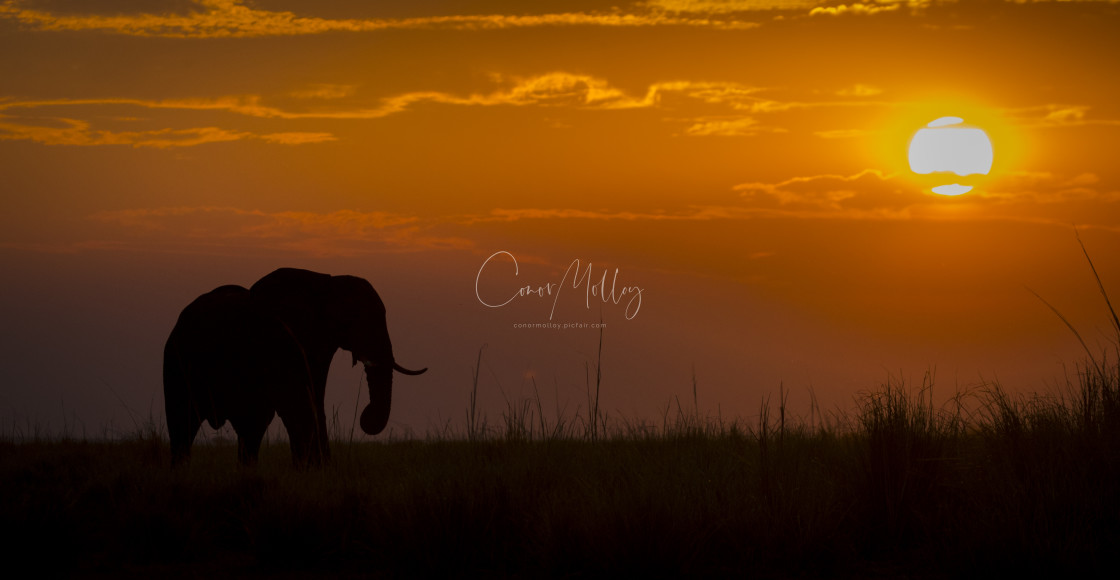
{"x":742,"y":161}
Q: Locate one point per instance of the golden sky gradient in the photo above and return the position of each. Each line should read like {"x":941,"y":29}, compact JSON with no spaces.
{"x":742,"y":161}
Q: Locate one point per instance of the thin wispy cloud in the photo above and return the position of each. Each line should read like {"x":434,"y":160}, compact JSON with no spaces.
{"x":297,"y":138}
{"x":798,"y":7}
{"x":867,"y":195}
{"x":1045,"y":187}
{"x":733,"y":127}
{"x":1057,"y":115}
{"x":325,"y":91}
{"x":727,"y":6}
{"x":77,"y":122}
{"x":872,"y":193}
{"x":868,"y":190}
{"x":348,"y":232}
{"x":856,"y":8}
{"x":558,"y":89}
{"x":692,"y":213}
{"x":77,"y":132}
{"x":234,"y":19}
{"x":337,"y":233}
{"x":549,"y":89}
{"x":19,"y":119}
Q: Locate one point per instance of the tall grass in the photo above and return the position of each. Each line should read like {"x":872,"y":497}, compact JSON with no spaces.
{"x":897,"y":486}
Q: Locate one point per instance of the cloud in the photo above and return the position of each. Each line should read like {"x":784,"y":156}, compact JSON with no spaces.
{"x":76,"y":132}
{"x":338,"y":233}
{"x":553,"y":89}
{"x":561,"y":88}
{"x":689,"y":214}
{"x":549,"y":89}
{"x":1057,"y":115}
{"x":871,"y":8}
{"x":325,"y":91}
{"x":556,"y":89}
{"x":750,"y":99}
{"x":510,"y":215}
{"x":298,"y":138}
{"x":1043,"y":187}
{"x":737,"y":96}
{"x":233,"y":19}
{"x":736,"y":127}
{"x":236,"y":19}
{"x":873,"y":194}
{"x":869,"y":193}
{"x":728,"y":6}
{"x":245,"y":105}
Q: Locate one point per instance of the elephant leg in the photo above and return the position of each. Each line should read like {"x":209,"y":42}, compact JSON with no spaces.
{"x":183,"y":422}
{"x":305,"y":433}
{"x":182,"y":432}
{"x":249,"y":444}
{"x":180,"y":412}
{"x":250,"y":428}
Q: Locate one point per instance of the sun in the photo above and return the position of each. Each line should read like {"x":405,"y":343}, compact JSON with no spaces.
{"x":947,"y":145}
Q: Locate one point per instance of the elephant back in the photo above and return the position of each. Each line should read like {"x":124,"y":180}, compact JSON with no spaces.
{"x":212,"y":312}
{"x":294,"y":296}
{"x":223,"y":352}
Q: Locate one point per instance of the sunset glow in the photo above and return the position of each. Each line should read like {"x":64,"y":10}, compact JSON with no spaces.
{"x":801,"y":193}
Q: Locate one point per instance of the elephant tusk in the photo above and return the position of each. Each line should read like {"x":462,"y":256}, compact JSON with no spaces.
{"x":405,"y":371}
{"x":370,"y":364}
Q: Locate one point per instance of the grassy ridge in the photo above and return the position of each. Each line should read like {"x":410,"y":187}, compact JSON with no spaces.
{"x":899,"y":487}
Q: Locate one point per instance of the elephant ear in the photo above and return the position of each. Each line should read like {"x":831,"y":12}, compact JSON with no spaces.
{"x":357,"y":314}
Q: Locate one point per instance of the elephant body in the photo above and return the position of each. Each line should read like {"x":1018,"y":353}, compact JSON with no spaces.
{"x":246,"y":355}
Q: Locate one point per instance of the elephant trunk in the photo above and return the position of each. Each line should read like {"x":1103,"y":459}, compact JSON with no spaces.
{"x":376,"y":414}
{"x":379,"y":377}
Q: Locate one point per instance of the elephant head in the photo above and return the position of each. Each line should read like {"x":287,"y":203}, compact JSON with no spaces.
{"x":326,"y":313}
{"x":363,"y":331}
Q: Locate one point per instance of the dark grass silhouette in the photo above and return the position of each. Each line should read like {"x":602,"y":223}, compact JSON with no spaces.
{"x":897,"y":487}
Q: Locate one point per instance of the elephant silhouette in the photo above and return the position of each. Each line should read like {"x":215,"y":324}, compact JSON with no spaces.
{"x":246,"y":355}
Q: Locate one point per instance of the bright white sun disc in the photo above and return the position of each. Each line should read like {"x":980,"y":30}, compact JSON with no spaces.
{"x":959,"y":150}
